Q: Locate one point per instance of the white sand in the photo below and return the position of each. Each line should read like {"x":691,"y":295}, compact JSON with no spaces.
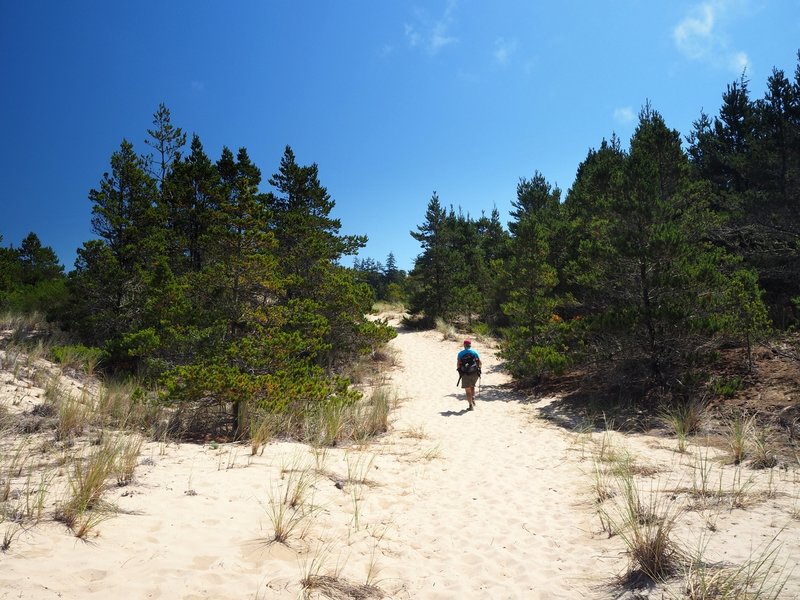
{"x":493,"y":503}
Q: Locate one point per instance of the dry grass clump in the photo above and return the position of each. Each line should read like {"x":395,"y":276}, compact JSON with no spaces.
{"x":340,"y":589}
{"x":603,"y":488}
{"x":334,"y":423}
{"x":91,"y":456}
{"x":739,"y":429}
{"x":359,"y":466}
{"x":382,"y":307}
{"x":74,"y":418}
{"x":651,"y":523}
{"x":684,"y":418}
{"x":714,"y":485}
{"x":416,"y":432}
{"x":448,"y":332}
{"x":22,"y":327}
{"x":289,"y":505}
{"x":761,"y":577}
{"x":318,"y":579}
{"x":130,"y":405}
{"x":287,"y":521}
{"x":81,"y":509}
{"x":645,"y":524}
{"x":263,"y":428}
{"x":763,"y":455}
{"x":745,"y":439}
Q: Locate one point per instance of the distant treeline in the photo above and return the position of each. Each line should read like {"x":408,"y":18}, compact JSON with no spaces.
{"x":658,"y":256}
{"x":199,"y":280}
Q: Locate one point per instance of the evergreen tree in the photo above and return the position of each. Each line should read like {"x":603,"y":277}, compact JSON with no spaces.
{"x":495,"y":249}
{"x":308,"y":237}
{"x":195,"y":194}
{"x":471,"y":276}
{"x":9,"y":272}
{"x":751,"y":156}
{"x":109,"y":287}
{"x":310,"y":248}
{"x":372,"y":273}
{"x":284,"y":329}
{"x":31,"y":278}
{"x":167,"y":141}
{"x":532,"y":344}
{"x":390,"y":271}
{"x":125,"y":210}
{"x":655,"y":287}
{"x":433,"y":275}
{"x":37,"y":263}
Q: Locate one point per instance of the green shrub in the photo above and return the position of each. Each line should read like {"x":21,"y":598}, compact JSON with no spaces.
{"x":77,"y":356}
{"x":727,"y":388}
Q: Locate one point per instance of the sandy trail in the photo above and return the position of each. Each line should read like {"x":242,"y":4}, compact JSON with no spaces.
{"x":505,"y":512}
{"x":486,"y":504}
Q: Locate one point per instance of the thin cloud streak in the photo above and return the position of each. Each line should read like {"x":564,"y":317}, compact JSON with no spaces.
{"x":432,"y":36}
{"x":624,"y":115}
{"x":503,"y":50}
{"x":700,"y":35}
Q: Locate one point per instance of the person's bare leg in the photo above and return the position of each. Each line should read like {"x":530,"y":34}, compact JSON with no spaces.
{"x":470,"y":397}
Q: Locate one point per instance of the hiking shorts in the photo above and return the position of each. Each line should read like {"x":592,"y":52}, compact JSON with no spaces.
{"x":468,"y":380}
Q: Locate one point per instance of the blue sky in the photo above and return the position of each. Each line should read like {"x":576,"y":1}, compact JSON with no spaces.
{"x":392,"y":99}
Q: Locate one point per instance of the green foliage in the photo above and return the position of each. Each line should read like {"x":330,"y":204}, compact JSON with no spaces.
{"x":433,"y":275}
{"x":750,"y":155}
{"x":453,"y":278}
{"x":227,"y":294}
{"x":652,"y":286}
{"x":726,"y":387}
{"x":527,"y":360}
{"x":535,"y":342}
{"x":76,"y":355}
{"x":31,"y":278}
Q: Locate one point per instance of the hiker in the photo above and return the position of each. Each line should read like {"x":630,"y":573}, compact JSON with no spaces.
{"x":468,"y":365}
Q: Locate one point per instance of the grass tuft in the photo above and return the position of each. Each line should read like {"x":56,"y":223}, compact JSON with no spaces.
{"x":739,"y":429}
{"x":646,"y":525}
{"x":684,"y":419}
{"x":761,"y":577}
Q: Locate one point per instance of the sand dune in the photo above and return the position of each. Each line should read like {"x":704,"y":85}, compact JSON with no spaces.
{"x":494,"y":503}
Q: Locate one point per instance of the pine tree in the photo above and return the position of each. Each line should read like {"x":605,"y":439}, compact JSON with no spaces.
{"x":109,"y":287}
{"x":195,"y":194}
{"x":31,"y":278}
{"x":38,"y":263}
{"x":167,"y":140}
{"x":532,"y":344}
{"x":750,"y":155}
{"x":125,"y":210}
{"x":655,"y":288}
{"x":433,"y":275}
{"x":310,"y":247}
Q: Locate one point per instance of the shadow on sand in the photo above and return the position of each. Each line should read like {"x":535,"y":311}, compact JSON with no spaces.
{"x":454,"y":413}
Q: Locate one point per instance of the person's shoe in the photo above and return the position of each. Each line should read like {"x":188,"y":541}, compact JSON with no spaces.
{"x":471,"y":407}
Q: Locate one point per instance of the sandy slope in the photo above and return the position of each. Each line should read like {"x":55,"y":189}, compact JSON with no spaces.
{"x":450,"y":504}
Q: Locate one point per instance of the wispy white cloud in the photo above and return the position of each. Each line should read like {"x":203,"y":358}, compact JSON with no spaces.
{"x":739,"y":62}
{"x":412,"y":35}
{"x":701,"y":34}
{"x":624,"y":115}
{"x":503,"y":50}
{"x":694,"y":35}
{"x":432,"y":34}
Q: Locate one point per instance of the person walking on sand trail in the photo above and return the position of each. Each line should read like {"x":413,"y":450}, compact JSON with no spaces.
{"x":468,"y":365}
